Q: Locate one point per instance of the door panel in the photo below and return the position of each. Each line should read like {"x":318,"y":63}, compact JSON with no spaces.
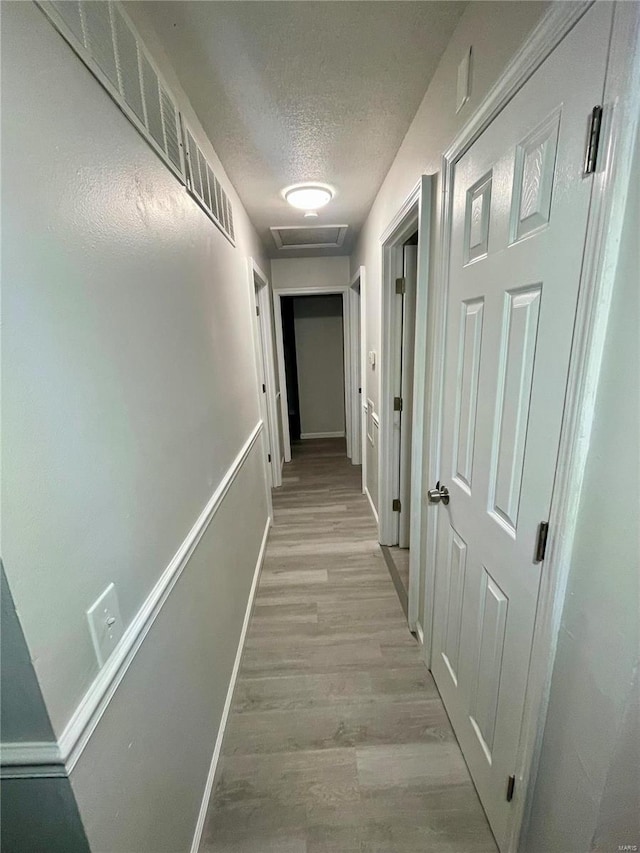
{"x":490,"y":643}
{"x":455,"y":576}
{"x":468,"y":376}
{"x":515,"y":374}
{"x":520,"y":205}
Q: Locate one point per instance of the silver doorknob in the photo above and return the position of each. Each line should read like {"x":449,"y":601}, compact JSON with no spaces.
{"x":440,"y":493}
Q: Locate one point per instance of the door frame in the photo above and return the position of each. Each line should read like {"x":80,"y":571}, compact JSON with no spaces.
{"x":610,"y":184}
{"x":413,"y":215}
{"x":263,"y":347}
{"x":357,"y":319}
{"x":346,"y":345}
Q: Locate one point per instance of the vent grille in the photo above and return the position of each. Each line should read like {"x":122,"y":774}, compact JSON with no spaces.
{"x":101,"y":34}
{"x":171,"y":124}
{"x":99,"y":39}
{"x":309,"y":236}
{"x":128,"y":66}
{"x":205,"y":187}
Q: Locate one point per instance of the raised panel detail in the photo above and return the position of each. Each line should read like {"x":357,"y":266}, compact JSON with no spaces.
{"x":477,"y":214}
{"x":455,"y":573}
{"x":533,"y":179}
{"x":515,"y":375}
{"x":471,"y":314}
{"x":492,"y":622}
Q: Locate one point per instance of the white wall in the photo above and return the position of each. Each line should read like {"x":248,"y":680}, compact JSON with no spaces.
{"x":124,"y":308}
{"x":371,"y":449}
{"x":320,"y":357}
{"x":23,"y":716}
{"x":587,"y":794}
{"x":301,"y":273}
{"x":495,"y":30}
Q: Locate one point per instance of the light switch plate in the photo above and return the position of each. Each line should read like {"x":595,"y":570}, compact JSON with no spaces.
{"x":372,"y":358}
{"x":105,"y":623}
{"x":463,"y":90}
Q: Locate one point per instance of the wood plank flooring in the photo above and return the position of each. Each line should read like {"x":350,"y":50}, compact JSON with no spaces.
{"x":337,"y":741}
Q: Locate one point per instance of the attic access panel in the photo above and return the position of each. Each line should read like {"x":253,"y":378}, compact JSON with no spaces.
{"x":309,"y":236}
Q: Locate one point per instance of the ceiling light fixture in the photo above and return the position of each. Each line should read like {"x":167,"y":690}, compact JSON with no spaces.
{"x":308,"y":197}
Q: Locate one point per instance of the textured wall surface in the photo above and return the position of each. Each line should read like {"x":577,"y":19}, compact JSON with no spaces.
{"x":124,"y":308}
{"x":129,"y":388}
{"x":301,"y":273}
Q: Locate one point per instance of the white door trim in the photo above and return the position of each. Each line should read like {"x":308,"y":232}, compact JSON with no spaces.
{"x":361,"y":402}
{"x":259,"y":284}
{"x":418,"y":487}
{"x":355,"y":316}
{"x":346,"y":362}
{"x":401,"y":227}
{"x":277,"y":307}
{"x":621,"y":110}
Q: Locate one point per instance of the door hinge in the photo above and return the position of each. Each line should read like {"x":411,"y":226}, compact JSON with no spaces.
{"x":397,"y":404}
{"x":541,"y":541}
{"x":593,"y":140}
{"x":269,"y":457}
{"x":257,"y":310}
{"x":396,"y":506}
{"x":511,"y":784}
{"x":401,"y":286}
{"x":264,"y":388}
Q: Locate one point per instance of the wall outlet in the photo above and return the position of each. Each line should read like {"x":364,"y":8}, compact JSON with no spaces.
{"x":105,"y":624}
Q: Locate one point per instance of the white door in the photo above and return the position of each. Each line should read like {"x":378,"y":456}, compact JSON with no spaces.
{"x":261,"y":361}
{"x":410,"y":273}
{"x":520,"y":206}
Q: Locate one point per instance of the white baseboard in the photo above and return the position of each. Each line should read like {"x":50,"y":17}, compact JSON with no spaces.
{"x":373,"y":509}
{"x":208,"y":788}
{"x":306,"y":435}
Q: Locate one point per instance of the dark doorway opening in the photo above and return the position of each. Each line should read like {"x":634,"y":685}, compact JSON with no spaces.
{"x":291,"y":367}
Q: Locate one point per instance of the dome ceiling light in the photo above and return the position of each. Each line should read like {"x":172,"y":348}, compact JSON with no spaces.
{"x":308,"y":197}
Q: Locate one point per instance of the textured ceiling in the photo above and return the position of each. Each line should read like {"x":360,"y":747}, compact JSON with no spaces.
{"x":297,"y":91}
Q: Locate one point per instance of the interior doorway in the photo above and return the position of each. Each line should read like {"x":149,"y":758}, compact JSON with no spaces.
{"x":400,"y":282}
{"x":313,"y":338}
{"x":404,"y":359}
{"x":291,"y":368}
{"x":402,"y":356}
{"x":268,"y":379}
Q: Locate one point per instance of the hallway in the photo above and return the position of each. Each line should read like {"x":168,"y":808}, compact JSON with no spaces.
{"x":337,"y":740}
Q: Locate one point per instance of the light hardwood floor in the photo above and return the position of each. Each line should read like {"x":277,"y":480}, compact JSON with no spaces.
{"x":337,"y":741}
